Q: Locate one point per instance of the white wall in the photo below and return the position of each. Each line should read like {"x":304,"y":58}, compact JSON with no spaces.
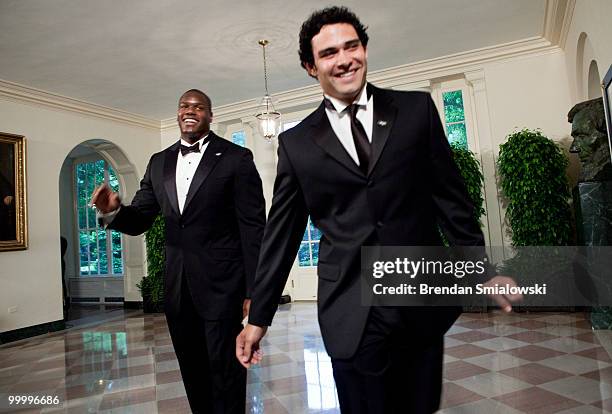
{"x":528,"y":92}
{"x":591,"y":17}
{"x":31,"y":279}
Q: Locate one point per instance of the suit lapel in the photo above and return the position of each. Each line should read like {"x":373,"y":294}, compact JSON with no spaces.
{"x":382,"y":123}
{"x":210,"y":158}
{"x":170,"y":175}
{"x":324,"y":137}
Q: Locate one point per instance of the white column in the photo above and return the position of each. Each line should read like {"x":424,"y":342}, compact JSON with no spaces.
{"x":220,"y":129}
{"x":488,"y":159}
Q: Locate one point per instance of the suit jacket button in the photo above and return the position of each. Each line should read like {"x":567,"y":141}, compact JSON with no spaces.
{"x":379,"y":224}
{"x":371,"y":183}
{"x":182,"y":226}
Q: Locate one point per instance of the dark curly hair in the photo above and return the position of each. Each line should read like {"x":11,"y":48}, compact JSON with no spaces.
{"x":318,"y":19}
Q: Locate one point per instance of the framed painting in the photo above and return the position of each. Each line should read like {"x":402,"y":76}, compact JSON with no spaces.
{"x":13,"y":203}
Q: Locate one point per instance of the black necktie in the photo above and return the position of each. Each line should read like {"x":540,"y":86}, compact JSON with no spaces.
{"x":362,"y":144}
{"x":193,"y":148}
{"x":360,"y":138}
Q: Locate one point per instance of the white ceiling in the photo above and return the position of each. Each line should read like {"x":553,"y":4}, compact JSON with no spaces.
{"x":139,"y":56}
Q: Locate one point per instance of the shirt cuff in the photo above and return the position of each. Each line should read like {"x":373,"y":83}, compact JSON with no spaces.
{"x":106,"y":218}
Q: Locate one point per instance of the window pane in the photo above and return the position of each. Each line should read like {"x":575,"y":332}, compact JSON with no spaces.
{"x":82,"y":217}
{"x":82,"y":200}
{"x":315,"y":253}
{"x":117,"y":256}
{"x":93,"y":252}
{"x":91,"y":177}
{"x":305,"y":237}
{"x":113,"y":181}
{"x":239,"y":138}
{"x":81,"y":178}
{"x":103,"y":251}
{"x":315,"y":233}
{"x":99,"y":172}
{"x":304,"y":255}
{"x":457,"y":134}
{"x":453,"y":106}
{"x":84,"y":252}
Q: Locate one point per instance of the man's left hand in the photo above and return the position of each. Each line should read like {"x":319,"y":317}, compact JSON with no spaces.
{"x":247,"y":345}
{"x":504,"y":301}
{"x":246,"y":306}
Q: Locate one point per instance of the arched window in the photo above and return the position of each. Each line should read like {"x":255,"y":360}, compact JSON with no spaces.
{"x":99,"y":249}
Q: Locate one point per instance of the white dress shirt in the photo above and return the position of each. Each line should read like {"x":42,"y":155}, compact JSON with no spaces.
{"x":340,"y":120}
{"x":186,"y":166}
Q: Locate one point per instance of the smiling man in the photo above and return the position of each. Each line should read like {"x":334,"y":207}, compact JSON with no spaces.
{"x":211,"y":197}
{"x":371,"y":167}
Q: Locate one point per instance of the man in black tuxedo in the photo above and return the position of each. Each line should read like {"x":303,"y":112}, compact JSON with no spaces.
{"x":371,"y":167}
{"x":211,"y":197}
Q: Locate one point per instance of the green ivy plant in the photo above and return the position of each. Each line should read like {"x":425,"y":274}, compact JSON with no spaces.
{"x":152,"y":285}
{"x":469,"y":167}
{"x":532,"y":177}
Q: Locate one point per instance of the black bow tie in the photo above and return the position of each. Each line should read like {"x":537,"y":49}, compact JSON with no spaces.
{"x":186,"y":150}
{"x":193,"y":148}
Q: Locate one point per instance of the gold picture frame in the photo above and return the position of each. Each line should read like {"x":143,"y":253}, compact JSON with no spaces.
{"x":13,"y":205}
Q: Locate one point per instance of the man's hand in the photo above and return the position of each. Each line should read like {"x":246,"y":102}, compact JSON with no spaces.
{"x":8,"y":200}
{"x":246,"y":306}
{"x":504,"y":301}
{"x":105,"y":200}
{"x":247,"y":345}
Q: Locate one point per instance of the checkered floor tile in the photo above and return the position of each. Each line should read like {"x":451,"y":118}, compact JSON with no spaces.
{"x":494,"y":363}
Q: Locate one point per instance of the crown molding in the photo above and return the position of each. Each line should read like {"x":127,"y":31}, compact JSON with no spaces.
{"x":557,"y":19}
{"x":24,"y":94}
{"x":410,"y":76}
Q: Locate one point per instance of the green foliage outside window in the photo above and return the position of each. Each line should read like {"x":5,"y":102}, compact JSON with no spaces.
{"x":532,"y":172}
{"x":454,"y":118}
{"x":308,"y":255}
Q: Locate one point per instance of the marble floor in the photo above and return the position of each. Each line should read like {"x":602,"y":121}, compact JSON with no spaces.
{"x":494,"y":363}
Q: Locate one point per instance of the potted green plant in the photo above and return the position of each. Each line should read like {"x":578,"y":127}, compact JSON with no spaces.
{"x":469,"y":167}
{"x":152,"y":285}
{"x":532,"y":170}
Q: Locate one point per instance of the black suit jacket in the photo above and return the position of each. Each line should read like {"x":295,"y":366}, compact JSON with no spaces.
{"x":214,"y":244}
{"x":412,"y":186}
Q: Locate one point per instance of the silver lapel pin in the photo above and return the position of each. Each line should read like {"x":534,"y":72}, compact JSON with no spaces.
{"x":382,"y":123}
{"x":217,"y":154}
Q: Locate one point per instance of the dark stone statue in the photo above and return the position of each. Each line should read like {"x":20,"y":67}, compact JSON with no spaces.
{"x":591,"y":140}
{"x":593,"y":194}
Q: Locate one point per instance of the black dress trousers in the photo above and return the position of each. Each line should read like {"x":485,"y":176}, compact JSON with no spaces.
{"x":214,"y":380}
{"x":396,"y":369}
